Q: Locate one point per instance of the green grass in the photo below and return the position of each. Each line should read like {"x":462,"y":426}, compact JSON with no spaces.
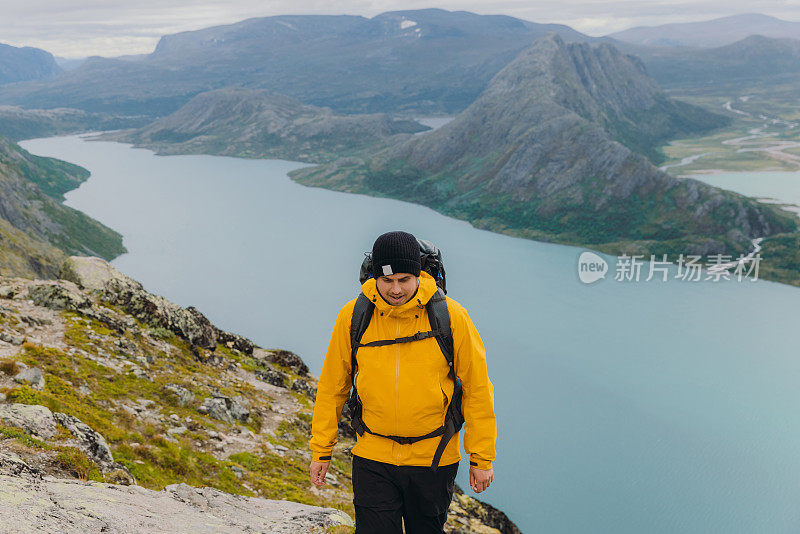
{"x":22,"y":436}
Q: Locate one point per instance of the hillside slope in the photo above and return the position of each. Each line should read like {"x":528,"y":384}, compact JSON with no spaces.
{"x":37,"y":231}
{"x":17,"y":124}
{"x":256,"y":123}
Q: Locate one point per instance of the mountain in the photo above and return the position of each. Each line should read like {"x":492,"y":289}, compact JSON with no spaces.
{"x":22,"y":64}
{"x":424,"y":61}
{"x":757,"y":60}
{"x":177,"y":425}
{"x":534,"y":156}
{"x":17,"y":124}
{"x":37,"y":231}
{"x":711,"y":33}
{"x":69,"y":63}
{"x":257,"y":123}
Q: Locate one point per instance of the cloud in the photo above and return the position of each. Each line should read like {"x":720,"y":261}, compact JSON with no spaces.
{"x":80,"y":28}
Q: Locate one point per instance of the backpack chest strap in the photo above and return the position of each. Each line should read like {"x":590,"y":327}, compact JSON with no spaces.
{"x":416,"y":337}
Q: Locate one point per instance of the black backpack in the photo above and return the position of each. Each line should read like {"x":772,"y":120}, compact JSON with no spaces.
{"x":431,"y":260}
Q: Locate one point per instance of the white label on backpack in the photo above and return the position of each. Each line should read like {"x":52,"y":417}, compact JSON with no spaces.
{"x":387,"y":270}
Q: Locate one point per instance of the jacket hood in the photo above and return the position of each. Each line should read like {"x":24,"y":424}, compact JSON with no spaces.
{"x":427,"y":288}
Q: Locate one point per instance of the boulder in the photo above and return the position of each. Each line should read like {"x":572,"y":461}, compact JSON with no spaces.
{"x":237,"y":342}
{"x":11,"y":464}
{"x":91,"y":442}
{"x":93,"y":273}
{"x":225,"y":409}
{"x":272,"y":376}
{"x":184,"y":395}
{"x":32,"y":418}
{"x":304,"y":387}
{"x":282,"y":357}
{"x":11,"y":338}
{"x":7,"y":292}
{"x":58,"y":295}
{"x":31,"y":376}
{"x":111,"y":285}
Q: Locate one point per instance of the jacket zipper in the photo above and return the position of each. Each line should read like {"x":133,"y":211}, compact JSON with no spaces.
{"x":397,"y":387}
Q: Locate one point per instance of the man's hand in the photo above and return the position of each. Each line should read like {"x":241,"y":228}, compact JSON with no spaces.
{"x":318,"y":471}
{"x":480,"y":479}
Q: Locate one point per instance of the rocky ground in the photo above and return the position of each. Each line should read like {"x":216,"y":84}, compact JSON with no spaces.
{"x":119,"y":408}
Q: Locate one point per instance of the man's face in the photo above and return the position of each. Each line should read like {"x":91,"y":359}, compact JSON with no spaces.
{"x":397,"y":289}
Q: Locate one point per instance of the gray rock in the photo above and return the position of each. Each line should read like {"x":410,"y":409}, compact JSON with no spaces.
{"x":32,"y":418}
{"x":59,"y":295}
{"x":32,"y":376}
{"x":58,"y":505}
{"x":11,"y":338}
{"x":272,"y":376}
{"x":138,"y":372}
{"x":35,"y":321}
{"x":304,"y":387}
{"x":183,"y":395}
{"x":90,"y":441}
{"x":126,"y":345}
{"x":178,"y":430}
{"x":12,"y":464}
{"x":93,"y":273}
{"x":239,"y":409}
{"x":7,"y":292}
{"x":234,"y":341}
{"x":225,"y":409}
{"x":112,"y":286}
{"x":282,"y":357}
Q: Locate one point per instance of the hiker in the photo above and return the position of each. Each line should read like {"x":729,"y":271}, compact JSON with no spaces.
{"x":415,"y":386}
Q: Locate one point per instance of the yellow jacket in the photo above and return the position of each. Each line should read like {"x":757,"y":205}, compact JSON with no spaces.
{"x":405,"y":388}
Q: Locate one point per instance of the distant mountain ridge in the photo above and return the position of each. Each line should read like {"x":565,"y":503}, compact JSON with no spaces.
{"x":755,"y":59}
{"x":424,"y":61}
{"x":710,"y":33}
{"x":257,"y":123}
{"x":533,"y":156}
{"x":17,"y":123}
{"x":25,"y":63}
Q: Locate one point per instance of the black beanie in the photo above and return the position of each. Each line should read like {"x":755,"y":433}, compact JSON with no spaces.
{"x":395,"y":252}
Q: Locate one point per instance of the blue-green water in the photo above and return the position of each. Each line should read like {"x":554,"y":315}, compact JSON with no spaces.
{"x":783,"y":187}
{"x":624,"y":407}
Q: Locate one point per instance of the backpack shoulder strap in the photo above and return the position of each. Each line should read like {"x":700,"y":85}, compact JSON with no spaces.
{"x":439,"y":317}
{"x":362,"y":314}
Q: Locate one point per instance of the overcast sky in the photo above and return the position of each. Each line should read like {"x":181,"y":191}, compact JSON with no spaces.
{"x":79,"y":28}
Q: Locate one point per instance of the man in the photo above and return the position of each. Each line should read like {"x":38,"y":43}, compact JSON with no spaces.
{"x":405,"y":389}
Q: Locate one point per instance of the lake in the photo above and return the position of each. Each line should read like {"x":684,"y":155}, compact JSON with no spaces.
{"x":623,"y":406}
{"x":782,"y":187}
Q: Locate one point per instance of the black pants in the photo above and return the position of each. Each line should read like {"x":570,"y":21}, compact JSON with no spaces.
{"x":386,"y":495}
